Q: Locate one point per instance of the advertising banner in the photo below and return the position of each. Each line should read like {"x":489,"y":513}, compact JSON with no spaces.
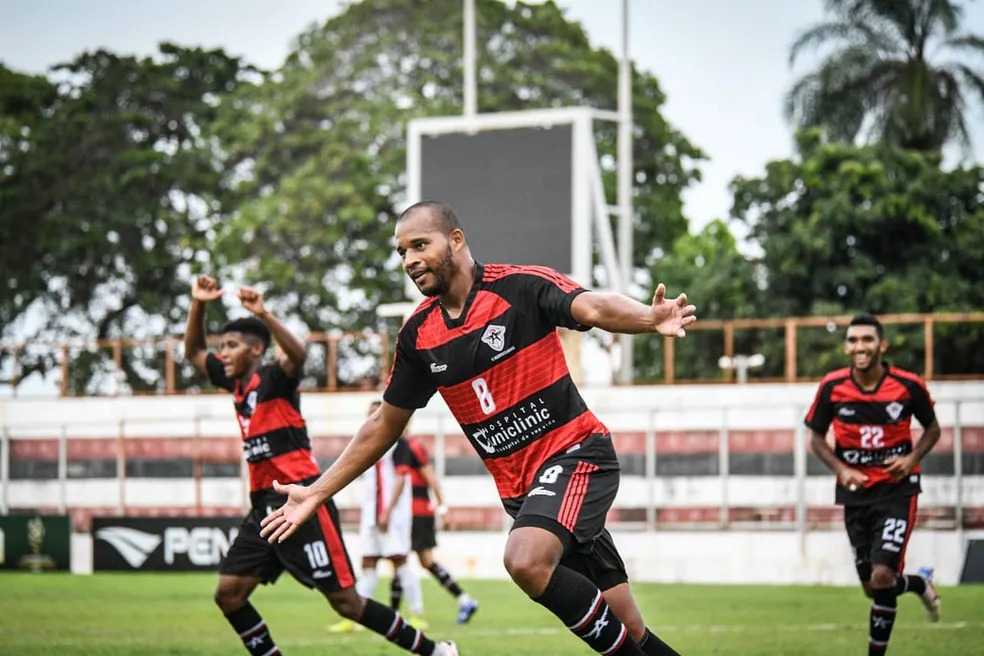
{"x":161,"y":543}
{"x":35,"y":543}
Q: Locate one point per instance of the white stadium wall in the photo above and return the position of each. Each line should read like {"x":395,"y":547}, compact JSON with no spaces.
{"x":793,"y":551}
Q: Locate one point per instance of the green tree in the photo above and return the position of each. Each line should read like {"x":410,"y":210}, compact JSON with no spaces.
{"x":318,"y":152}
{"x":108,"y":201}
{"x":717,"y":276}
{"x":887,"y":73}
{"x":846,"y":228}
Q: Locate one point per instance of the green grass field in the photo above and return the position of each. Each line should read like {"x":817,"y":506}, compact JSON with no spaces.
{"x":143,"y":614}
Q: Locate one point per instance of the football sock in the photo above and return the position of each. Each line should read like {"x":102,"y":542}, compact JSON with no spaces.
{"x":396,"y":593}
{"x":578,"y":603}
{"x":411,"y":585}
{"x":883,"y":607}
{"x":391,"y":625}
{"x":909,"y":583}
{"x":366,"y":585}
{"x":446,"y":579}
{"x":252,"y":631}
{"x":653,"y":646}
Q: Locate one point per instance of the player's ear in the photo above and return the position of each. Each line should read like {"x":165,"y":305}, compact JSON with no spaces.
{"x":883,"y":346}
{"x":457,"y":239}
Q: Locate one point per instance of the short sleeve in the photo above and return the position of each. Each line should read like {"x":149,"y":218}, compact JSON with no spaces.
{"x":420,"y":457}
{"x":821,"y":413}
{"x":402,"y":457}
{"x":553,"y":293}
{"x":409,"y":386}
{"x":280,"y":383}
{"x":216,"y":372}
{"x":922,"y":403}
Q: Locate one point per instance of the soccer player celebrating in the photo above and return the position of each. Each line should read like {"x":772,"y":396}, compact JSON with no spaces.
{"x":277,"y":447}
{"x":486,"y":339}
{"x":871,"y":405}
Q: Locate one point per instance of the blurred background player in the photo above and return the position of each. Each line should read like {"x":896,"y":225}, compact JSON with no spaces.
{"x":277,"y":446}
{"x":871,"y":405}
{"x":424,"y":531}
{"x":385,"y":529}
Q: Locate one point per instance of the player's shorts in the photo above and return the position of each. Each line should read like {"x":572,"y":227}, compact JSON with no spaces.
{"x":315,"y":555}
{"x":423,"y":534}
{"x":394,"y":542}
{"x":570,"y":497}
{"x":879,"y":533}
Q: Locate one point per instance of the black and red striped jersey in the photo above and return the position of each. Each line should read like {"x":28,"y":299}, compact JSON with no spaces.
{"x":872,"y":427}
{"x":422,"y":504}
{"x":275,"y":439}
{"x":500,"y":368}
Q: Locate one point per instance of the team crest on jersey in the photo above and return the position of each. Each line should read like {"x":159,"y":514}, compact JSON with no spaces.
{"x":495,"y":337}
{"x":894,"y":410}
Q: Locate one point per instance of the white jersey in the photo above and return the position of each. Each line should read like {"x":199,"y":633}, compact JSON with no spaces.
{"x":377,"y":486}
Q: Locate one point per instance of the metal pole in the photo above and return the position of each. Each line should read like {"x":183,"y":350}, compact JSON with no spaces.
{"x":958,"y":513}
{"x":724,"y":467}
{"x":625,"y":210}
{"x":63,"y":470}
{"x":651,"y":471}
{"x":5,"y":470}
{"x":471,"y":101}
{"x":799,"y":472}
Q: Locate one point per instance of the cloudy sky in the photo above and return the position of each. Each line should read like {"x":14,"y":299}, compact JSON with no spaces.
{"x":722,"y":63}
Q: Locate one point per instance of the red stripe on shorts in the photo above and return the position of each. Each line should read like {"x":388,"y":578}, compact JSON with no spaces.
{"x":577,"y":487}
{"x":336,"y":549}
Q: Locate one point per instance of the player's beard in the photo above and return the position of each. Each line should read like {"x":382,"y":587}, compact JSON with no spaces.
{"x":442,"y":276}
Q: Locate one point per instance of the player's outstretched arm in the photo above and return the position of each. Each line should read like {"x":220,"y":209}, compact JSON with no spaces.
{"x":294,"y":354}
{"x":203,"y":290}
{"x":371,"y":441}
{"x":618,"y":313}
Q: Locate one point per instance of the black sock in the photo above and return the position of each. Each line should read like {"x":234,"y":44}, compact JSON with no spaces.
{"x":909,"y":583}
{"x":578,"y":603}
{"x":445,"y":578}
{"x":883,"y":607}
{"x":653,"y":646}
{"x":396,"y":593}
{"x":252,"y":631}
{"x":389,"y":624}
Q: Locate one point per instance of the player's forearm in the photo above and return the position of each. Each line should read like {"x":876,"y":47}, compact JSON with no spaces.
{"x":292,"y":347}
{"x":613,"y":312}
{"x":823,"y":451}
{"x":365,"y":449}
{"x":926,"y":442}
{"x":427,"y":473}
{"x":194,"y":338}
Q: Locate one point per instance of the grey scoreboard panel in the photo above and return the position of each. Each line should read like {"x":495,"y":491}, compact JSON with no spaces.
{"x":511,"y":189}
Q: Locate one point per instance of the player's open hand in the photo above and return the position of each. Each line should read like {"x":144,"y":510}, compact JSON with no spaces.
{"x":671,"y":317}
{"x":899,"y":468}
{"x":284,"y":521}
{"x":205,"y":289}
{"x":252,"y":300}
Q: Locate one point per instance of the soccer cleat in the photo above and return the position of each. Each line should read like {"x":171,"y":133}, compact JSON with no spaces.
{"x":418,"y":622}
{"x":446,"y":648}
{"x":930,"y":598}
{"x":466,"y":610}
{"x":344,"y":626}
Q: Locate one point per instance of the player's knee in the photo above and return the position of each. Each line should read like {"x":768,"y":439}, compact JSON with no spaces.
{"x":882,"y":578}
{"x":347,"y":603}
{"x":228,"y":599}
{"x":529,"y":570}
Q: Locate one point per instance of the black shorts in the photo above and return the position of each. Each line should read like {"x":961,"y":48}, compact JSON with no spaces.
{"x":423,"y":534}
{"x":315,"y":555}
{"x":879,"y":533}
{"x":570,"y":496}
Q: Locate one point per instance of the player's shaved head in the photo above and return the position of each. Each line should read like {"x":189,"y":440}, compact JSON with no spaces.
{"x":442,"y":216}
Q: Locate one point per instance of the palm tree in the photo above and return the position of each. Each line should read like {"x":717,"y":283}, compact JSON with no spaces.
{"x":878,"y":81}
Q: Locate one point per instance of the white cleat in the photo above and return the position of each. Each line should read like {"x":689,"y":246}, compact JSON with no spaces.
{"x":446,"y":648}
{"x":930,"y":598}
